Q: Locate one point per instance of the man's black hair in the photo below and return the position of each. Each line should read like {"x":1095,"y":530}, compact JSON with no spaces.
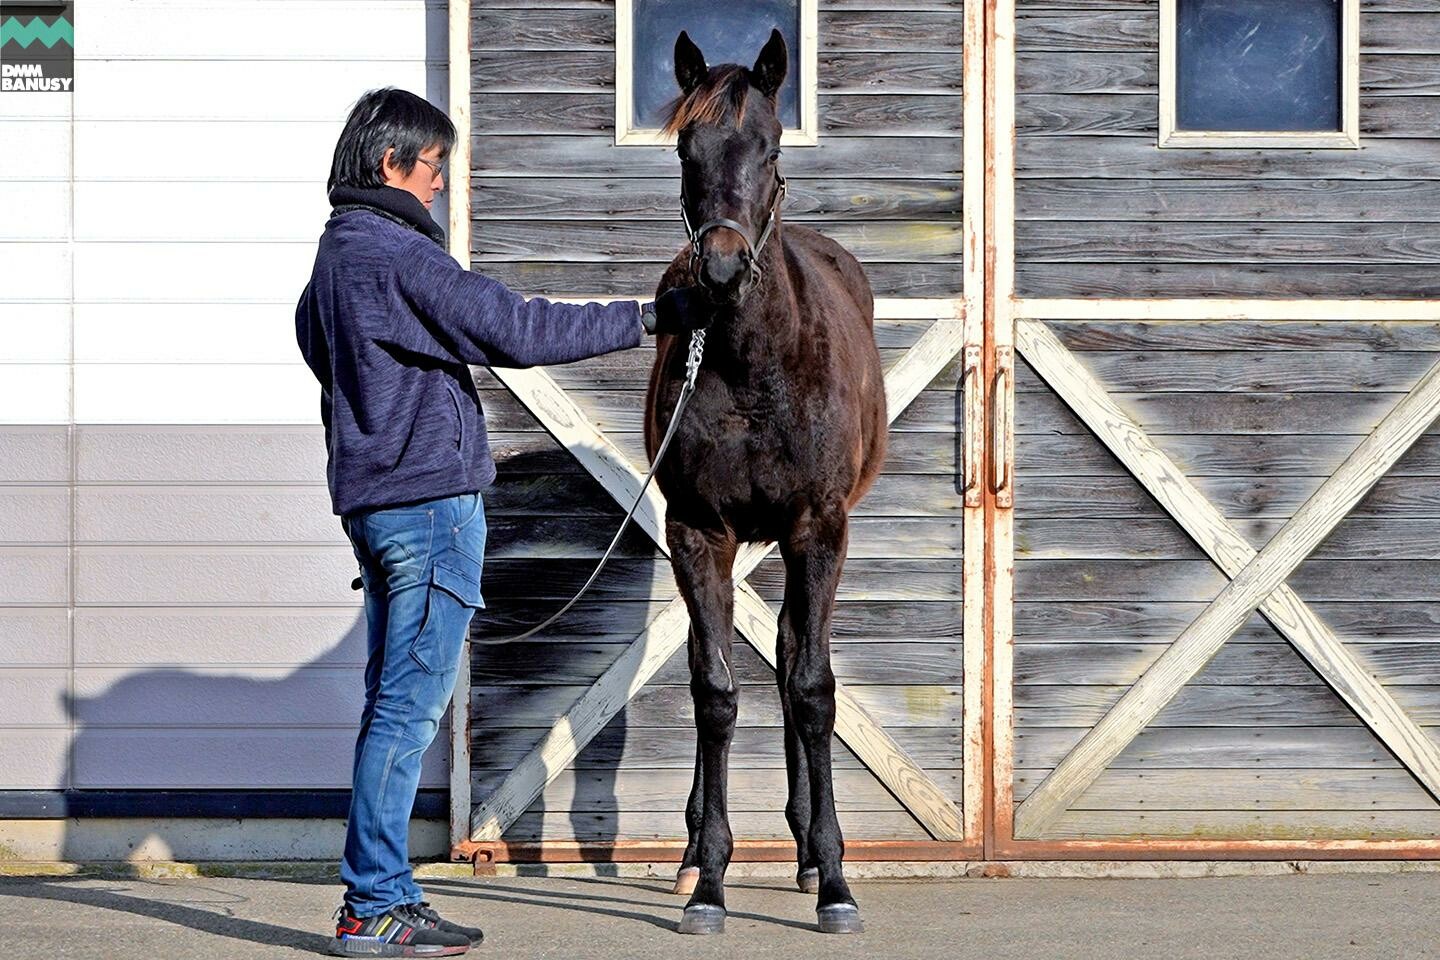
{"x":384,"y":118}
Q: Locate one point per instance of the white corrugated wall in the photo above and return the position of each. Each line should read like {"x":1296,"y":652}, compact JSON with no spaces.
{"x":175,"y":607}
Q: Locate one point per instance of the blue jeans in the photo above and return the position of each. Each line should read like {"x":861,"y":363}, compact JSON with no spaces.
{"x":420,"y":565}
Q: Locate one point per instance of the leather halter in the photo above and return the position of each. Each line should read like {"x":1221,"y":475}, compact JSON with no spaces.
{"x":752,"y":250}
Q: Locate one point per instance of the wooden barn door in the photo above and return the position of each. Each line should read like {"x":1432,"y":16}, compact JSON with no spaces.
{"x":1216,"y":582}
{"x":580,"y":743}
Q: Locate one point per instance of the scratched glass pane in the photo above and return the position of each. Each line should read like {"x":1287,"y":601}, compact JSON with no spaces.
{"x":728,"y":32}
{"x":1258,"y":64}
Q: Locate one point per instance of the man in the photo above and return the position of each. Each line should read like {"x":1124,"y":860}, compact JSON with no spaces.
{"x":390,"y":323}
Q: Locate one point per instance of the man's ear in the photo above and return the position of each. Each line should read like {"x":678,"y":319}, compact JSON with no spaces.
{"x":769,"y":70}
{"x":690,"y":68}
{"x":387,"y":164}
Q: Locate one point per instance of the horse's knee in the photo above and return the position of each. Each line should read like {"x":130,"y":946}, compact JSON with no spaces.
{"x":717,"y":700}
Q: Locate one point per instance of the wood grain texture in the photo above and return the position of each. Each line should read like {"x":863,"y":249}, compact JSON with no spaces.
{"x":918,"y":279}
{"x":1170,"y":280}
{"x":1136,"y":158}
{"x":657,"y":198}
{"x":1257,"y":580}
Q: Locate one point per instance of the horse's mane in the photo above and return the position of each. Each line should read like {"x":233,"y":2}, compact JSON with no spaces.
{"x":720,"y":99}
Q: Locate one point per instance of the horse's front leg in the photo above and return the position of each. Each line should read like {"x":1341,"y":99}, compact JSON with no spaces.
{"x":797,"y":773}
{"x":814,"y":553}
{"x":703,"y":561}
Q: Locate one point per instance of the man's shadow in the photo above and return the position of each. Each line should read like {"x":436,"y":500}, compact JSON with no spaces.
{"x":522,"y":690}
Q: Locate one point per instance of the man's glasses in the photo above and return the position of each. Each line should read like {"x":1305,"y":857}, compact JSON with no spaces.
{"x":436,"y":166}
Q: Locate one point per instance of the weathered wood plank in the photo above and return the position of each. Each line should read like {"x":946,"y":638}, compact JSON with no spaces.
{"x":1150,"y":620}
{"x":1138,"y":580}
{"x":645,"y":579}
{"x":1240,"y":498}
{"x":612,"y":621}
{"x":1269,"y":789}
{"x":1215,"y":371}
{"x":597,"y":156}
{"x":1210,"y":748}
{"x":593,"y":71}
{"x":1226,"y":705}
{"x":1137,"y":115}
{"x":1057,"y":241}
{"x":891,"y":662}
{"x":935,"y":279}
{"x":1255,"y":577}
{"x":1172,"y":280}
{"x":656,"y":198}
{"x":879,"y":30}
{"x":1107,"y":157}
{"x":874,"y":114}
{"x":1081,"y":31}
{"x":1236,"y":663}
{"x":1245,"y":825}
{"x":1088,"y":335}
{"x":1215,"y":413}
{"x":1203,"y":455}
{"x":1138,"y":72}
{"x":936,"y":748}
{"x":645,"y":241}
{"x":540,"y":705}
{"x":752,"y":825}
{"x":628,"y":788}
{"x":868,"y":72}
{"x":1398,"y":201}
{"x":894,"y":495}
{"x":1403,"y":538}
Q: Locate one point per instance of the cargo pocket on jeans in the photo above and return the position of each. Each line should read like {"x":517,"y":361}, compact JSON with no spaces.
{"x":452,"y":598}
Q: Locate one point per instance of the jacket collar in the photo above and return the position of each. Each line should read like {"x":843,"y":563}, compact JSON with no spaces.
{"x":395,"y":204}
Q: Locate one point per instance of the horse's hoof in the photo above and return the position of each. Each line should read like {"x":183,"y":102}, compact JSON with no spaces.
{"x":839,"y":918}
{"x":808,"y":880}
{"x":703,"y":918}
{"x":685,"y":881}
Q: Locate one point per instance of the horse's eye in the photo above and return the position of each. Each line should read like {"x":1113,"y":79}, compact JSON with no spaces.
{"x":774,"y":156}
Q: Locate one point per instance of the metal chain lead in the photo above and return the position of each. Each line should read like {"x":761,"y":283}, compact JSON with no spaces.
{"x":692,"y":373}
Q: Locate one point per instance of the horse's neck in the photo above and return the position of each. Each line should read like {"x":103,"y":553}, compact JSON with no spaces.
{"x":764,"y":330}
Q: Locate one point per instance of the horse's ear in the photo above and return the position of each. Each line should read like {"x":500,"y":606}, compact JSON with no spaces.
{"x":769,"y":70}
{"x":690,"y":68}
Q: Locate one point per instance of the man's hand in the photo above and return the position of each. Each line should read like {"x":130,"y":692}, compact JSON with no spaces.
{"x":677,"y":311}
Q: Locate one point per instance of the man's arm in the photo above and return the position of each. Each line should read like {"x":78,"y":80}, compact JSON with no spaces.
{"x":475,"y":319}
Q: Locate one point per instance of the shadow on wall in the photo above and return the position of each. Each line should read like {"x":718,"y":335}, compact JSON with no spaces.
{"x":535,"y":563}
{"x":257,"y":744}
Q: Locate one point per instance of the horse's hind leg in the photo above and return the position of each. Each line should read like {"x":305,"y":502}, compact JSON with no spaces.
{"x":703,"y":561}
{"x":797,"y":775}
{"x":689,"y":873}
{"x":814,"y":553}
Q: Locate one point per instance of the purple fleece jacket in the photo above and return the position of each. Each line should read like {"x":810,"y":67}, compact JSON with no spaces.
{"x":389,"y":323}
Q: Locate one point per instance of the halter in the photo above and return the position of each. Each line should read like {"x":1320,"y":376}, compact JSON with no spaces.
{"x":752,"y":251}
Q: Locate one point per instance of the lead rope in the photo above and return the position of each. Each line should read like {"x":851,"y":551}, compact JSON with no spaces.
{"x":692,"y":371}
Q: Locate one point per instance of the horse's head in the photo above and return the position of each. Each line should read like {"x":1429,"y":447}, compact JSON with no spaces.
{"x":728,"y":139}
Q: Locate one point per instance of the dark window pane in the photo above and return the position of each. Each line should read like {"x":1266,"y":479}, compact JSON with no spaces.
{"x":728,"y":32}
{"x":1257,"y":65}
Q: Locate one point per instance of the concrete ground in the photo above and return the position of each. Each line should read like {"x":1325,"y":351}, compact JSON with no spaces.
{"x":1352,"y":917}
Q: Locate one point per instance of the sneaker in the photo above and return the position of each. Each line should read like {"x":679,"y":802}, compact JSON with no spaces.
{"x":475,"y":935}
{"x":398,"y":932}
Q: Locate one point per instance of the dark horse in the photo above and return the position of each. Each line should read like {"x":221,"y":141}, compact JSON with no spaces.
{"x":784,"y":433}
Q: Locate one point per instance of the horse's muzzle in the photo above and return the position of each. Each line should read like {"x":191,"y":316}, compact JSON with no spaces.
{"x":727,"y":276}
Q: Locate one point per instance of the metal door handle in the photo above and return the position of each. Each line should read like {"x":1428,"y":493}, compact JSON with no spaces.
{"x":974,"y":425}
{"x":1000,"y":473}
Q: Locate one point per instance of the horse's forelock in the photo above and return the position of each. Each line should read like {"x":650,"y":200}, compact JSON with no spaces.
{"x":720,"y":99}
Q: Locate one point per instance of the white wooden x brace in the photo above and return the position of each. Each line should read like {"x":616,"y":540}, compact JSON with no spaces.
{"x":544,"y":398}
{"x":1257,"y":579}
